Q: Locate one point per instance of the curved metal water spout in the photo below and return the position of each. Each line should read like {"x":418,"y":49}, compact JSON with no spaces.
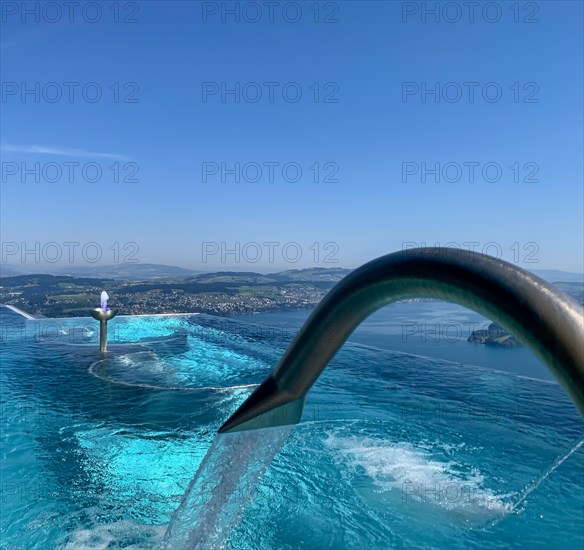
{"x":542,"y":317}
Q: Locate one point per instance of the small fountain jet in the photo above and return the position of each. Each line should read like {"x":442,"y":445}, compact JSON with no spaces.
{"x":104,"y":299}
{"x":103,"y":314}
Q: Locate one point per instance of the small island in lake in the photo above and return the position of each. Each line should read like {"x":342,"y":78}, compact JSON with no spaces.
{"x":494,"y":335}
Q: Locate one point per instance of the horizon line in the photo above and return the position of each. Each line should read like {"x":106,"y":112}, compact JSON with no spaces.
{"x":230,"y":269}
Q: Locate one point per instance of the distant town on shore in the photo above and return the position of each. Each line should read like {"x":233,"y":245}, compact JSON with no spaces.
{"x":160,"y":289}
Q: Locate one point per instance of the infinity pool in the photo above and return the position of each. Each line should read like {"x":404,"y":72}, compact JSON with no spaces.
{"x":394,"y":450}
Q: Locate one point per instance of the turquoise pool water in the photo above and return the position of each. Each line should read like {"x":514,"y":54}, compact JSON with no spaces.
{"x":394,"y":450}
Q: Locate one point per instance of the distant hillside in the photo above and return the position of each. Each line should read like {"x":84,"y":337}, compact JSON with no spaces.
{"x":145,"y":272}
{"x":555,"y":276}
{"x":239,"y":277}
{"x":310,"y":275}
{"x":130,"y":272}
{"x":7,"y":271}
{"x":120,"y":272}
{"x":575,"y":290}
{"x":222,"y":293}
{"x":314,"y":274}
{"x":52,"y":295}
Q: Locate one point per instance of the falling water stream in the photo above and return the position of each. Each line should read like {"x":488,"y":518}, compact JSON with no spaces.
{"x":224,"y":483}
{"x":530,"y":487}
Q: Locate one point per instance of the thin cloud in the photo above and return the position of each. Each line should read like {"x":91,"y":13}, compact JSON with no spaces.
{"x":61,"y":151}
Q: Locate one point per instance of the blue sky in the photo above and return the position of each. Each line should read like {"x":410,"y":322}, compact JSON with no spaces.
{"x":373,"y":139}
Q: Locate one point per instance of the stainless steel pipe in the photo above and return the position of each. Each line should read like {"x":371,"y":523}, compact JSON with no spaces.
{"x":540,"y":315}
{"x":103,"y":317}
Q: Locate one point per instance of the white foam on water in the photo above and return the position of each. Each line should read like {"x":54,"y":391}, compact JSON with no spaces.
{"x":416,"y":475}
{"x":116,"y":535}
